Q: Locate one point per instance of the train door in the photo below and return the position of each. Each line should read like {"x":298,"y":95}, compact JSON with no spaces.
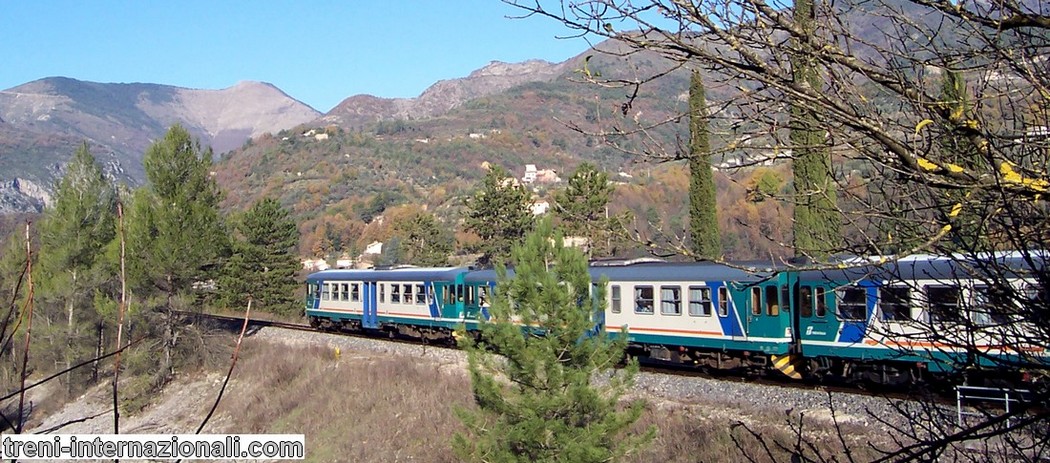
{"x":764,"y":318}
{"x":736,"y":309}
{"x":313,"y":295}
{"x":790,"y":296}
{"x":448,"y":296}
{"x":368,"y":317}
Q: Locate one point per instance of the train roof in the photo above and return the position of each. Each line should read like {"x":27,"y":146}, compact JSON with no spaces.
{"x":399,"y":274}
{"x":660,"y":271}
{"x":686,"y":271}
{"x":935,"y":267}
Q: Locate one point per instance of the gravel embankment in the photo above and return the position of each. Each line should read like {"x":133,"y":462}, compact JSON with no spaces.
{"x":666,"y":388}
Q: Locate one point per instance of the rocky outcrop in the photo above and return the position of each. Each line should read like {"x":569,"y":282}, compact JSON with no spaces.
{"x":21,"y":195}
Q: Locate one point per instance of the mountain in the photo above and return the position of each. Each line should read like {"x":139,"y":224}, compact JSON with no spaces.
{"x":43,"y":121}
{"x":444,"y":95}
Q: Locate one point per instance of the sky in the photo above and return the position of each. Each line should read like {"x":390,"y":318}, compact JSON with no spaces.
{"x":318,"y":52}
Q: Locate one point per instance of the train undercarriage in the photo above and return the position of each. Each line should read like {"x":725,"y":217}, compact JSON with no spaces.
{"x":429,"y":335}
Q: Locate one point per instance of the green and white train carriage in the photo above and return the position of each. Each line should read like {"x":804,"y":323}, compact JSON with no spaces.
{"x":893,"y":322}
{"x":705,"y":314}
{"x":423,"y":302}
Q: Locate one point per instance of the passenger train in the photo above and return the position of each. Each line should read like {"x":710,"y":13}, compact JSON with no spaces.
{"x":888,"y":323}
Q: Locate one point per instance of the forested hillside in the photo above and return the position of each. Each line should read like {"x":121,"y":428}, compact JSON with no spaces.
{"x":338,"y":179}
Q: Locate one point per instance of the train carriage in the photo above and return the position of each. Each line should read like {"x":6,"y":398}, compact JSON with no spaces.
{"x":424,"y":302}
{"x":704,"y":313}
{"x":890,"y":323}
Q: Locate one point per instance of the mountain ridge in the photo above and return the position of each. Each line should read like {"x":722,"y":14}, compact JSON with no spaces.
{"x":444,"y":95}
{"x":45,"y":119}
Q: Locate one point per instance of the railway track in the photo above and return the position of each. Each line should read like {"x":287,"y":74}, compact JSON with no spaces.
{"x":657,"y":367}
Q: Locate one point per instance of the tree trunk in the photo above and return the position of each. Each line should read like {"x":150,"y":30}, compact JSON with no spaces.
{"x":169,"y":330}
{"x":100,"y":329}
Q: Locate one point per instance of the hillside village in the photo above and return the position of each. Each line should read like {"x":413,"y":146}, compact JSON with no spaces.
{"x":538,"y":179}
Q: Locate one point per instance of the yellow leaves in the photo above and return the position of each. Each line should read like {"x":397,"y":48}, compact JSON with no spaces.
{"x":931,"y":166}
{"x":920,"y":125}
{"x":927,"y":165}
{"x":956,"y":209}
{"x":1011,"y":176}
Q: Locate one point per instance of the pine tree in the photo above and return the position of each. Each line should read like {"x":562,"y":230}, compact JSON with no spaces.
{"x":423,"y":241}
{"x":582,"y":209}
{"x":73,"y":235}
{"x":500,"y":214}
{"x":263,"y":264}
{"x":537,"y":400}
{"x":817,"y":228}
{"x":175,"y":236}
{"x":703,"y":213}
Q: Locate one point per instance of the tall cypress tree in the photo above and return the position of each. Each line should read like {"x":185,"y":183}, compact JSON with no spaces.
{"x":539,"y":401}
{"x":817,"y":228}
{"x":703,"y":212}
{"x":175,"y":234}
{"x":966,"y":232}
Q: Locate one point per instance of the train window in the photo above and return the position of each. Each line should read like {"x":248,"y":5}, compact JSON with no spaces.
{"x":1036,"y":295}
{"x":355,"y":292}
{"x":446,"y":296}
{"x":315,"y":290}
{"x":615,"y":291}
{"x":395,"y":293}
{"x":344,"y":291}
{"x":805,"y":301}
{"x":723,"y":301}
{"x":895,"y":303}
{"x":756,"y":301}
{"x":772,"y":301}
{"x":943,"y":302}
{"x":699,"y":301}
{"x":992,"y":305}
{"x":852,"y":303}
{"x":421,"y":295}
{"x":643,"y":299}
{"x":470,"y":295}
{"x":382,"y":292}
{"x":407,"y":291}
{"x":670,"y":300}
{"x":821,"y":297}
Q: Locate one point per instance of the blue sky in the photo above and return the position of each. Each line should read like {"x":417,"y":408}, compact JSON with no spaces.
{"x":318,"y":52}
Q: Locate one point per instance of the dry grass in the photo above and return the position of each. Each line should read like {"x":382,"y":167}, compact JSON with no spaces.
{"x":711,"y":434}
{"x":362,"y":407}
{"x":350,"y":409}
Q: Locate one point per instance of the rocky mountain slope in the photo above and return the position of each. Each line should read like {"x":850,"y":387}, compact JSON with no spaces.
{"x":444,"y":95}
{"x":43,"y":121}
